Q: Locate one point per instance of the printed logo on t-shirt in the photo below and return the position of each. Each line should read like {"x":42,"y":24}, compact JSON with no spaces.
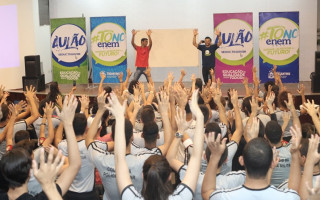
{"x":207,"y":53}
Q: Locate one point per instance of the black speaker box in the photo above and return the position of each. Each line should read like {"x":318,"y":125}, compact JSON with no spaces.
{"x":32,"y":66}
{"x":37,"y":82}
{"x":315,"y":82}
{"x":317,"y":62}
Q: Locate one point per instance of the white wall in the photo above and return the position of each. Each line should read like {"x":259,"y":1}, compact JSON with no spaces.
{"x":12,"y":77}
{"x":174,"y":14}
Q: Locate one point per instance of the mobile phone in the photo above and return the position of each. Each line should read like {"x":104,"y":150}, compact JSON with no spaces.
{"x":74,"y":83}
{"x":298,"y":86}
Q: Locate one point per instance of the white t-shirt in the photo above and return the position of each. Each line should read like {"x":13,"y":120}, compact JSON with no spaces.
{"x":228,"y":181}
{"x":37,"y":125}
{"x":135,"y":149}
{"x":281,"y":172}
{"x":182,"y":192}
{"x":18,"y":126}
{"x":104,"y":162}
{"x":244,"y":193}
{"x":139,"y":141}
{"x":84,"y":181}
{"x":263,"y":118}
{"x":285,"y":184}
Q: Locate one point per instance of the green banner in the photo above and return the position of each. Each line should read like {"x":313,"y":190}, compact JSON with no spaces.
{"x":69,"y":50}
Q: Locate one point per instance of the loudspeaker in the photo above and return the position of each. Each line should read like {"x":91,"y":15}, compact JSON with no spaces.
{"x":315,"y":82}
{"x":317,"y":62}
{"x":32,"y":66}
{"x":37,"y":82}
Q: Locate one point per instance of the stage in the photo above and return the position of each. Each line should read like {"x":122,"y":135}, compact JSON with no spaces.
{"x":91,"y":90}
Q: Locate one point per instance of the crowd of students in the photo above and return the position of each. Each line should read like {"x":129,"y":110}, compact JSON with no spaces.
{"x":172,"y":143}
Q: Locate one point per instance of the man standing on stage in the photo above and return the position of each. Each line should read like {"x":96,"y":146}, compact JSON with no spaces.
{"x":142,"y":58}
{"x":208,"y":52}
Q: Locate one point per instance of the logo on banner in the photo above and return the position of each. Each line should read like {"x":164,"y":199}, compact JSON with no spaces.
{"x":69,"y":46}
{"x":109,"y":44}
{"x":279,"y":41}
{"x":237,"y":45}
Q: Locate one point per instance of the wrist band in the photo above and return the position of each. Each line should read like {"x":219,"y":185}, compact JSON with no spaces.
{"x":43,"y":124}
{"x":9,"y":148}
{"x":41,"y":140}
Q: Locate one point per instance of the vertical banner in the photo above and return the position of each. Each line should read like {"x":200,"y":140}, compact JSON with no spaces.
{"x":108,"y":48}
{"x":279,"y":45}
{"x":69,"y":50}
{"x":234,"y":58}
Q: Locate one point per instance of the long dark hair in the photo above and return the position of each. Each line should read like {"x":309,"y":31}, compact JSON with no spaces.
{"x":156,"y":172}
{"x":54,"y":92}
{"x":104,"y":125}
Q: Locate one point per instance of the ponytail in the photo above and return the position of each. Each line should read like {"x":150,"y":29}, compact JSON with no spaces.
{"x":156,"y":171}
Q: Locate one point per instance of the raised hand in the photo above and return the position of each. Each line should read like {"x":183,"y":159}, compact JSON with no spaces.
{"x":22,"y":105}
{"x":217,"y":145}
{"x":217,"y":95}
{"x":134,"y":32}
{"x":115,"y":107}
{"x":2,"y":88}
{"x":289,"y":103}
{"x":102,"y":75}
{"x":163,"y":101}
{"x":276,"y":158}
{"x":48,"y":110}
{"x":296,"y":139}
{"x":149,"y":32}
{"x":68,"y":109}
{"x":193,"y":77}
{"x":310,"y":108}
{"x":195,"y":32}
{"x":84,"y":99}
{"x":59,"y":100}
{"x":170,"y":77}
{"x":120,"y":77}
{"x":254,"y":106}
{"x":217,"y":32}
{"x":234,"y":97}
{"x":183,"y":73}
{"x":30,"y":92}
{"x":301,"y":89}
{"x":48,"y":171}
{"x":270,"y":99}
{"x":252,"y":129}
{"x":181,"y":121}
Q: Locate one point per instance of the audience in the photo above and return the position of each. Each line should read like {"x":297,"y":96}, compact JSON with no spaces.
{"x":174,"y":143}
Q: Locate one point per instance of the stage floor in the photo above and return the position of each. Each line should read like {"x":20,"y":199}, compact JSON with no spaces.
{"x":91,"y":90}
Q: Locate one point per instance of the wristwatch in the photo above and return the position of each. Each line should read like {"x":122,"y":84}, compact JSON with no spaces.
{"x":178,"y":135}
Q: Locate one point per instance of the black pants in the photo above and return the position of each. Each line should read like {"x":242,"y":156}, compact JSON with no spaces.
{"x":206,"y":73}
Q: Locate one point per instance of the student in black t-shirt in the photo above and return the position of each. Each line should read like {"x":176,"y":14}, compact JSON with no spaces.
{"x":208,"y":52}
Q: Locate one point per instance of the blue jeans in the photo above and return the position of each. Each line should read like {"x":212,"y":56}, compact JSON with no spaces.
{"x":139,"y":72}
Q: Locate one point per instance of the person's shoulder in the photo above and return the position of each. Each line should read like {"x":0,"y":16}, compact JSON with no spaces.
{"x":221,"y":192}
{"x":285,"y":192}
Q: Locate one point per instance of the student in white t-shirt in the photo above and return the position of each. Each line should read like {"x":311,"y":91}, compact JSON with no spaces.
{"x":258,"y":160}
{"x":230,"y":180}
{"x":83,"y":185}
{"x":150,"y":132}
{"x":156,"y":169}
{"x":104,"y":161}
